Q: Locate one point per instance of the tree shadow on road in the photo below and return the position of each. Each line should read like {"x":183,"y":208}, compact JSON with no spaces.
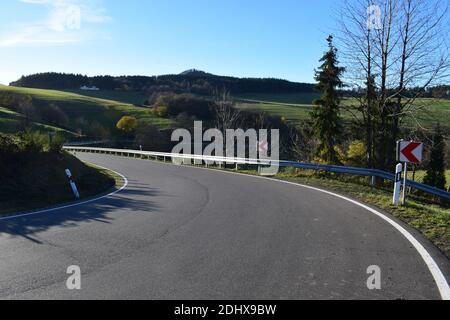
{"x":134,"y":199}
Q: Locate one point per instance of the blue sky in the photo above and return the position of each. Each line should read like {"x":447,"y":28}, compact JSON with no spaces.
{"x":246,"y":38}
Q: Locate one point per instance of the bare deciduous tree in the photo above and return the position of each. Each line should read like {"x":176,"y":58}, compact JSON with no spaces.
{"x":227,"y":116}
{"x":390,"y":66}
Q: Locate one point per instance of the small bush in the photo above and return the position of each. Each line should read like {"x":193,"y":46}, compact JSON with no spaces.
{"x":56,"y":144}
{"x":356,"y":154}
{"x":33,"y":142}
{"x":8,"y":145}
{"x":339,"y":153}
{"x":160,"y":111}
{"x":127,"y":124}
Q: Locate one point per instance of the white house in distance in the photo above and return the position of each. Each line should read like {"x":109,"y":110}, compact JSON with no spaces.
{"x":93,"y":88}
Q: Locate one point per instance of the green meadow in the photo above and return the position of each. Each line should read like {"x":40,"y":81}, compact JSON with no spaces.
{"x":296,"y":108}
{"x":285,"y":99}
{"x":9,"y":121}
{"x":82,"y":110}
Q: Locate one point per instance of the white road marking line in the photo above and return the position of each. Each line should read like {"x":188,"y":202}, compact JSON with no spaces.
{"x":74,"y":204}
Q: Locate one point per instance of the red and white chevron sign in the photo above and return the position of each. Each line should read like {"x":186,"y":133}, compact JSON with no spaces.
{"x":410,"y":151}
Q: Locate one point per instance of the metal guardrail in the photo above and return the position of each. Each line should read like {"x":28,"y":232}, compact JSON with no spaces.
{"x":266,"y":162}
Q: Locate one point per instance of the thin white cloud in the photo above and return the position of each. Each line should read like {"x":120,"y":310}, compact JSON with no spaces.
{"x":67,"y":21}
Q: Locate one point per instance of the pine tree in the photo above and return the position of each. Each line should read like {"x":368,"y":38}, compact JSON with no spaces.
{"x":435,"y":175}
{"x":326,"y":114}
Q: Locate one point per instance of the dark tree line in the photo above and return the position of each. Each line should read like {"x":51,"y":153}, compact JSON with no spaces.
{"x":188,"y":82}
{"x":61,"y":81}
{"x":436,"y":92}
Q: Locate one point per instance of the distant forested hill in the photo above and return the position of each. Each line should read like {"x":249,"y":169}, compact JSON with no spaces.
{"x":191,"y":81}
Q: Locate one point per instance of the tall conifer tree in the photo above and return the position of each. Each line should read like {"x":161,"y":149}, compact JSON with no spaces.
{"x":326,"y":114}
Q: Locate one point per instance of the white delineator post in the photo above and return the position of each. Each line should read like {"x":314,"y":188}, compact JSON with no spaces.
{"x":398,"y":183}
{"x":72,"y":184}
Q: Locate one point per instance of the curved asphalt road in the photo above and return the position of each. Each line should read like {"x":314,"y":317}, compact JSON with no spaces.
{"x":186,"y":233}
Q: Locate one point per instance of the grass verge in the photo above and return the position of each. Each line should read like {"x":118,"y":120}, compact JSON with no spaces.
{"x":41,"y":183}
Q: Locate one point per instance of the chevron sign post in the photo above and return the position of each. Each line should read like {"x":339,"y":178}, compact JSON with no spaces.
{"x":408,"y":152}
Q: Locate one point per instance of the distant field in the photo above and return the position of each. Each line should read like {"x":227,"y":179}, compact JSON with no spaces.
{"x":425,"y":113}
{"x":296,"y":107}
{"x":133,"y":97}
{"x":293,"y":114}
{"x":287,"y":98}
{"x":82,"y":110}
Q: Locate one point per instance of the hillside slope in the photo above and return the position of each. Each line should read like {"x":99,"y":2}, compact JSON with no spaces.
{"x":81,"y":114}
{"x":27,"y":159}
